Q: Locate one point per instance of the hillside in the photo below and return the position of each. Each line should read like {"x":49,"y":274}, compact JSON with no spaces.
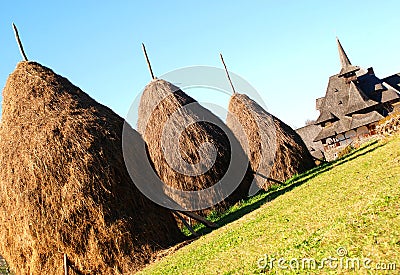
{"x":341,"y":214}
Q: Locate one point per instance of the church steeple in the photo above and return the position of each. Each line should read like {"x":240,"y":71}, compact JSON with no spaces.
{"x":344,"y":60}
{"x":347,"y":69}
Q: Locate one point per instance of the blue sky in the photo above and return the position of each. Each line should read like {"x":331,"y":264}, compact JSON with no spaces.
{"x":285,"y":49}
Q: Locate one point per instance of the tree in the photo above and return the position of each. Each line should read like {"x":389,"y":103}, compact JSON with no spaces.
{"x":309,"y":122}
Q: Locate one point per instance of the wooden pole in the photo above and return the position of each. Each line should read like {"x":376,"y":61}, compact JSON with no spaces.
{"x":227,"y":73}
{"x":148,"y":61}
{"x":65,"y":264}
{"x":185,"y":223}
{"x":267,"y":178}
{"x":21,"y":48}
{"x":199,"y":218}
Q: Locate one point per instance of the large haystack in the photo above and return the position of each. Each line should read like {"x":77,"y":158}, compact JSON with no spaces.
{"x":191,"y":149}
{"x":64,"y":187}
{"x":275,"y":150}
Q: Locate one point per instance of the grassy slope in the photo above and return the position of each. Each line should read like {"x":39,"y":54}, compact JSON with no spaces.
{"x":353,"y":203}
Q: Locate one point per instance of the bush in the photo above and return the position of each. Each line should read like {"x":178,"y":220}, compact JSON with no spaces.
{"x":346,"y":150}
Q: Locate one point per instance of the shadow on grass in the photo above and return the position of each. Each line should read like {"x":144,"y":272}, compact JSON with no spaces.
{"x":291,"y":184}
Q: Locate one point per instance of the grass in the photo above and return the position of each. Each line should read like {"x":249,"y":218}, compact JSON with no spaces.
{"x":353,"y":203}
{"x":4,"y":269}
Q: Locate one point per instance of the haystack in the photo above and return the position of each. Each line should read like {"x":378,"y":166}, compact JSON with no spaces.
{"x":64,"y":187}
{"x":275,"y":150}
{"x":191,"y":149}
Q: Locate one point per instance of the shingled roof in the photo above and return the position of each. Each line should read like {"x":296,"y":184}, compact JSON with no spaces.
{"x":359,"y":120}
{"x":334,"y":104}
{"x":357,"y":99}
{"x":325,"y":133}
{"x":324,"y":116}
{"x":308,"y":133}
{"x":380,"y":90}
{"x":352,"y":97}
{"x":393,"y":80}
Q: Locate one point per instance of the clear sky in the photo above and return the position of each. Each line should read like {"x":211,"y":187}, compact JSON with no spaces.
{"x":285,"y":49}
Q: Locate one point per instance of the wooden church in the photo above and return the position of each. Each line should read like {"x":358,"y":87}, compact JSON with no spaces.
{"x":355,"y":100}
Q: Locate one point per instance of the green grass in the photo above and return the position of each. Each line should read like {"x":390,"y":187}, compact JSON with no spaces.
{"x":352,"y":203}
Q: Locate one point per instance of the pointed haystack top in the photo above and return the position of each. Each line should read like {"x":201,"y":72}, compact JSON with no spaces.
{"x":347,"y":68}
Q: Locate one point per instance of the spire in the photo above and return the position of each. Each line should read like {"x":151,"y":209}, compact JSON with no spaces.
{"x":345,"y":61}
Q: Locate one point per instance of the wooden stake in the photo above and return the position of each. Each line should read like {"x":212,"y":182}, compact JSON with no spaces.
{"x":185,"y":223}
{"x":227,"y":73}
{"x":199,"y":218}
{"x":267,"y":178}
{"x":148,"y":61}
{"x":21,"y":48}
{"x":65,"y":264}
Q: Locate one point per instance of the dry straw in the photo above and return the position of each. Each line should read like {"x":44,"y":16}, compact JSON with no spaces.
{"x":276,"y":152}
{"x":64,"y":185}
{"x":265,"y":133}
{"x":171,"y":121}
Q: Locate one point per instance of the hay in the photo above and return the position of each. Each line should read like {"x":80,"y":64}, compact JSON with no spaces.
{"x":264,"y":133}
{"x":64,"y":185}
{"x":181,"y":136}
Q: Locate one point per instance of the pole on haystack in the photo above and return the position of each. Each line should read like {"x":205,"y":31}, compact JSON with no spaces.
{"x":65,"y":264}
{"x":148,"y":61}
{"x":227,"y":73}
{"x":21,"y":48}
